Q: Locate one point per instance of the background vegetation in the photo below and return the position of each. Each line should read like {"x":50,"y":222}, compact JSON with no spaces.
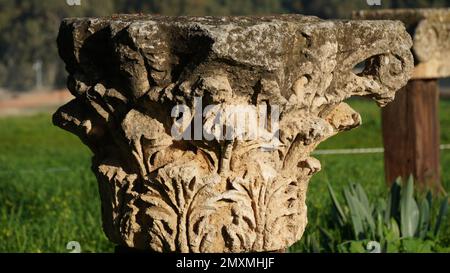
{"x":28,"y":28}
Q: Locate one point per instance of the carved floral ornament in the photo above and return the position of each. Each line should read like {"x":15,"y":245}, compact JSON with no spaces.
{"x":161,"y":192}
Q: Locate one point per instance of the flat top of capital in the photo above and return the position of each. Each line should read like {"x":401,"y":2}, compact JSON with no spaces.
{"x":408,"y":16}
{"x":206,"y":20}
{"x":217,"y":21}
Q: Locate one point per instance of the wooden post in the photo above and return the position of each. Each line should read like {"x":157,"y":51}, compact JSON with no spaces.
{"x":411,"y":134}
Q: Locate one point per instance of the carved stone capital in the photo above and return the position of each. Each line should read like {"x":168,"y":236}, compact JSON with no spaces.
{"x":238,"y":194}
{"x":430,"y":29}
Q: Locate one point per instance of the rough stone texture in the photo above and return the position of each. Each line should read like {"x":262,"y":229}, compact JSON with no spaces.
{"x":161,"y":194}
{"x":430,"y":29}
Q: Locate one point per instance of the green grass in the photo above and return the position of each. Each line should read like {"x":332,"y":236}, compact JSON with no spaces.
{"x":48,"y":195}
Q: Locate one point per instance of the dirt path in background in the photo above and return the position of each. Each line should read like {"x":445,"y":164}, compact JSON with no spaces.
{"x":32,"y":102}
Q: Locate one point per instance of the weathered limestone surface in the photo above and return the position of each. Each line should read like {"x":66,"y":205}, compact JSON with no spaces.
{"x":430,"y":29}
{"x":163,"y":194}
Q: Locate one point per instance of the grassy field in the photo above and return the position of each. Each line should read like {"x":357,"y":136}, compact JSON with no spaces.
{"x":48,"y":195}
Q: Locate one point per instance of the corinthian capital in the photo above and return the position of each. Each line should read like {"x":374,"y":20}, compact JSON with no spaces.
{"x":236,"y":192}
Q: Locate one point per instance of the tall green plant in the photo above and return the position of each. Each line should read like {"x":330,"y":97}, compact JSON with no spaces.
{"x":403,"y":220}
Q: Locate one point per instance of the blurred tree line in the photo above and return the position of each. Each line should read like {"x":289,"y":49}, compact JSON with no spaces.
{"x":28,"y":28}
